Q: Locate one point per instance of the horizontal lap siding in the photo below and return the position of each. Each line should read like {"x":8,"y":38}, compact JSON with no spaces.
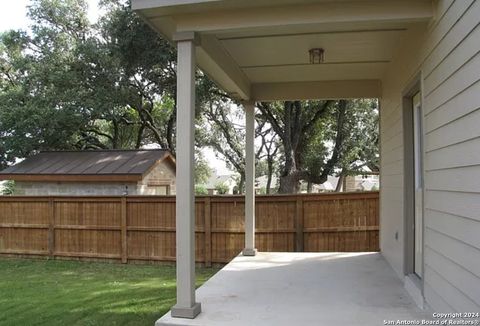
{"x":452,"y":160}
{"x":447,"y":56}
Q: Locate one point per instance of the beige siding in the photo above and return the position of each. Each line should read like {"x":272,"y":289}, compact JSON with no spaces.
{"x":74,"y":188}
{"x":391,"y":129}
{"x":159,"y":181}
{"x":452,"y":161}
{"x":449,"y":61}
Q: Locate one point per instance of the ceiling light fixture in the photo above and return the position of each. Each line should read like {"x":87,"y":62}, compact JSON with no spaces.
{"x":317,"y":56}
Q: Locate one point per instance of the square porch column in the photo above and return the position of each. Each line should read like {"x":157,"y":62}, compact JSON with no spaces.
{"x":186,"y":306}
{"x":249,"y":249}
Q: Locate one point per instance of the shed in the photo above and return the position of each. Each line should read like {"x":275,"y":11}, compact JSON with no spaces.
{"x":97,"y":172}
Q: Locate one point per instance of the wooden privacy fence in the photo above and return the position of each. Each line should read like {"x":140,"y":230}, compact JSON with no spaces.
{"x":143,"y":227}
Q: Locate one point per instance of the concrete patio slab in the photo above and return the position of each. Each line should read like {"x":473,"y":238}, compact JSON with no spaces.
{"x":303,"y":289}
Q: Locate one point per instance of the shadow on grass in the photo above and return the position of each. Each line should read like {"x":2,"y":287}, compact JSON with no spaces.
{"x":79,"y":293}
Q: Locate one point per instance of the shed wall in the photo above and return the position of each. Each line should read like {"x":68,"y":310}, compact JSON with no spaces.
{"x":159,"y":181}
{"x":74,"y":188}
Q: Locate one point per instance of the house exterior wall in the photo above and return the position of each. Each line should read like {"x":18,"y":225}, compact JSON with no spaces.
{"x":159,"y":181}
{"x":447,"y":57}
{"x":357,"y":183}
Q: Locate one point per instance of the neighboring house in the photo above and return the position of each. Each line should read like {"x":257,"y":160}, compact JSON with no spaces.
{"x":361,"y":182}
{"x":328,"y":186}
{"x":215,"y":180}
{"x":421,"y":59}
{"x":99,"y":172}
{"x":261,"y":184}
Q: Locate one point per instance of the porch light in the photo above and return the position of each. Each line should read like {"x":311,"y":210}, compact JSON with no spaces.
{"x":317,"y":56}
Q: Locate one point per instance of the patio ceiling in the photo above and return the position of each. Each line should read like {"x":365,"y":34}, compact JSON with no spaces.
{"x":258,"y":49}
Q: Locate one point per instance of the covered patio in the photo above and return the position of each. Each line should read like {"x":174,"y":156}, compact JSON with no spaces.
{"x":297,"y":50}
{"x":303,"y":289}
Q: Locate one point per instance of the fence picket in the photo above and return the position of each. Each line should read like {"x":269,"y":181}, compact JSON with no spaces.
{"x":143,"y":228}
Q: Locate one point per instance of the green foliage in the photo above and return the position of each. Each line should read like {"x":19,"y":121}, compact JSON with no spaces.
{"x":262,"y":191}
{"x":221,"y":188}
{"x":261,"y":168}
{"x":202,"y":169}
{"x":201,"y":190}
{"x":320,"y":138}
{"x":68,"y":84}
{"x":8,"y":188}
{"x":359,"y":147}
{"x":221,"y":126}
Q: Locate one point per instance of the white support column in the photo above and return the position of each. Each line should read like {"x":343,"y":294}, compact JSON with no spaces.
{"x":186,"y":306}
{"x":249,"y":249}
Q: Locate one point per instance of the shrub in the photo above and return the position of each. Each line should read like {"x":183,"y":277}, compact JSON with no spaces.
{"x":201,"y":190}
{"x":221,"y":188}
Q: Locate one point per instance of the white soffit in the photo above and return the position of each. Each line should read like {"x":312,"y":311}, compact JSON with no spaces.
{"x":246,"y":53}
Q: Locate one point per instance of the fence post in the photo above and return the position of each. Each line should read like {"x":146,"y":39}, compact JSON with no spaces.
{"x":299,"y":225}
{"x":124,"y":229}
{"x":208,"y":231}
{"x":51,"y":228}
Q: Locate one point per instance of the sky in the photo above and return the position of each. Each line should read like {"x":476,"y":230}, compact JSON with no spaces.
{"x":14,"y":13}
{"x":14,"y":16}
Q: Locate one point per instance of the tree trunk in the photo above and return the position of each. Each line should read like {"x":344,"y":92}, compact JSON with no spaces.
{"x":115,"y":134}
{"x":138,"y":143}
{"x":241,"y":184}
{"x":171,"y":132}
{"x":269,"y":175}
{"x":289,"y":184}
{"x":309,"y":187}
{"x":289,"y":179}
{"x":338,"y":188}
{"x":293,"y":126}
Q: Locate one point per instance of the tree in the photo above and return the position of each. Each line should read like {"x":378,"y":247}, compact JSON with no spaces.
{"x":267,"y":154}
{"x":138,"y":69}
{"x":221,"y":188}
{"x":68,"y":84}
{"x":201,"y":190}
{"x":38,"y":99}
{"x":8,"y":188}
{"x":320,"y":137}
{"x":202,"y":169}
{"x":361,"y":147}
{"x":220,"y":127}
{"x":294,"y":123}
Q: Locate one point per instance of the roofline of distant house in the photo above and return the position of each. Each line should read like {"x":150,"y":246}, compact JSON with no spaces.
{"x":125,"y":177}
{"x":108,"y":150}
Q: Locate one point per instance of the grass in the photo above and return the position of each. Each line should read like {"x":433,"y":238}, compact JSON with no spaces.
{"x":54,"y":292}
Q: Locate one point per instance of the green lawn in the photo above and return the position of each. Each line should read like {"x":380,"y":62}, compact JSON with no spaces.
{"x":42,"y":292}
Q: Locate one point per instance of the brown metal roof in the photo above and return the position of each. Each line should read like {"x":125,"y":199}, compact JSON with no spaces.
{"x":113,"y":165}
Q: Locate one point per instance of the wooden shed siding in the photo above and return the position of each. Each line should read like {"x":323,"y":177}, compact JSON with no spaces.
{"x":448,"y":58}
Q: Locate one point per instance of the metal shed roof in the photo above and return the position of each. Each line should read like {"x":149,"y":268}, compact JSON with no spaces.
{"x":98,"y":165}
